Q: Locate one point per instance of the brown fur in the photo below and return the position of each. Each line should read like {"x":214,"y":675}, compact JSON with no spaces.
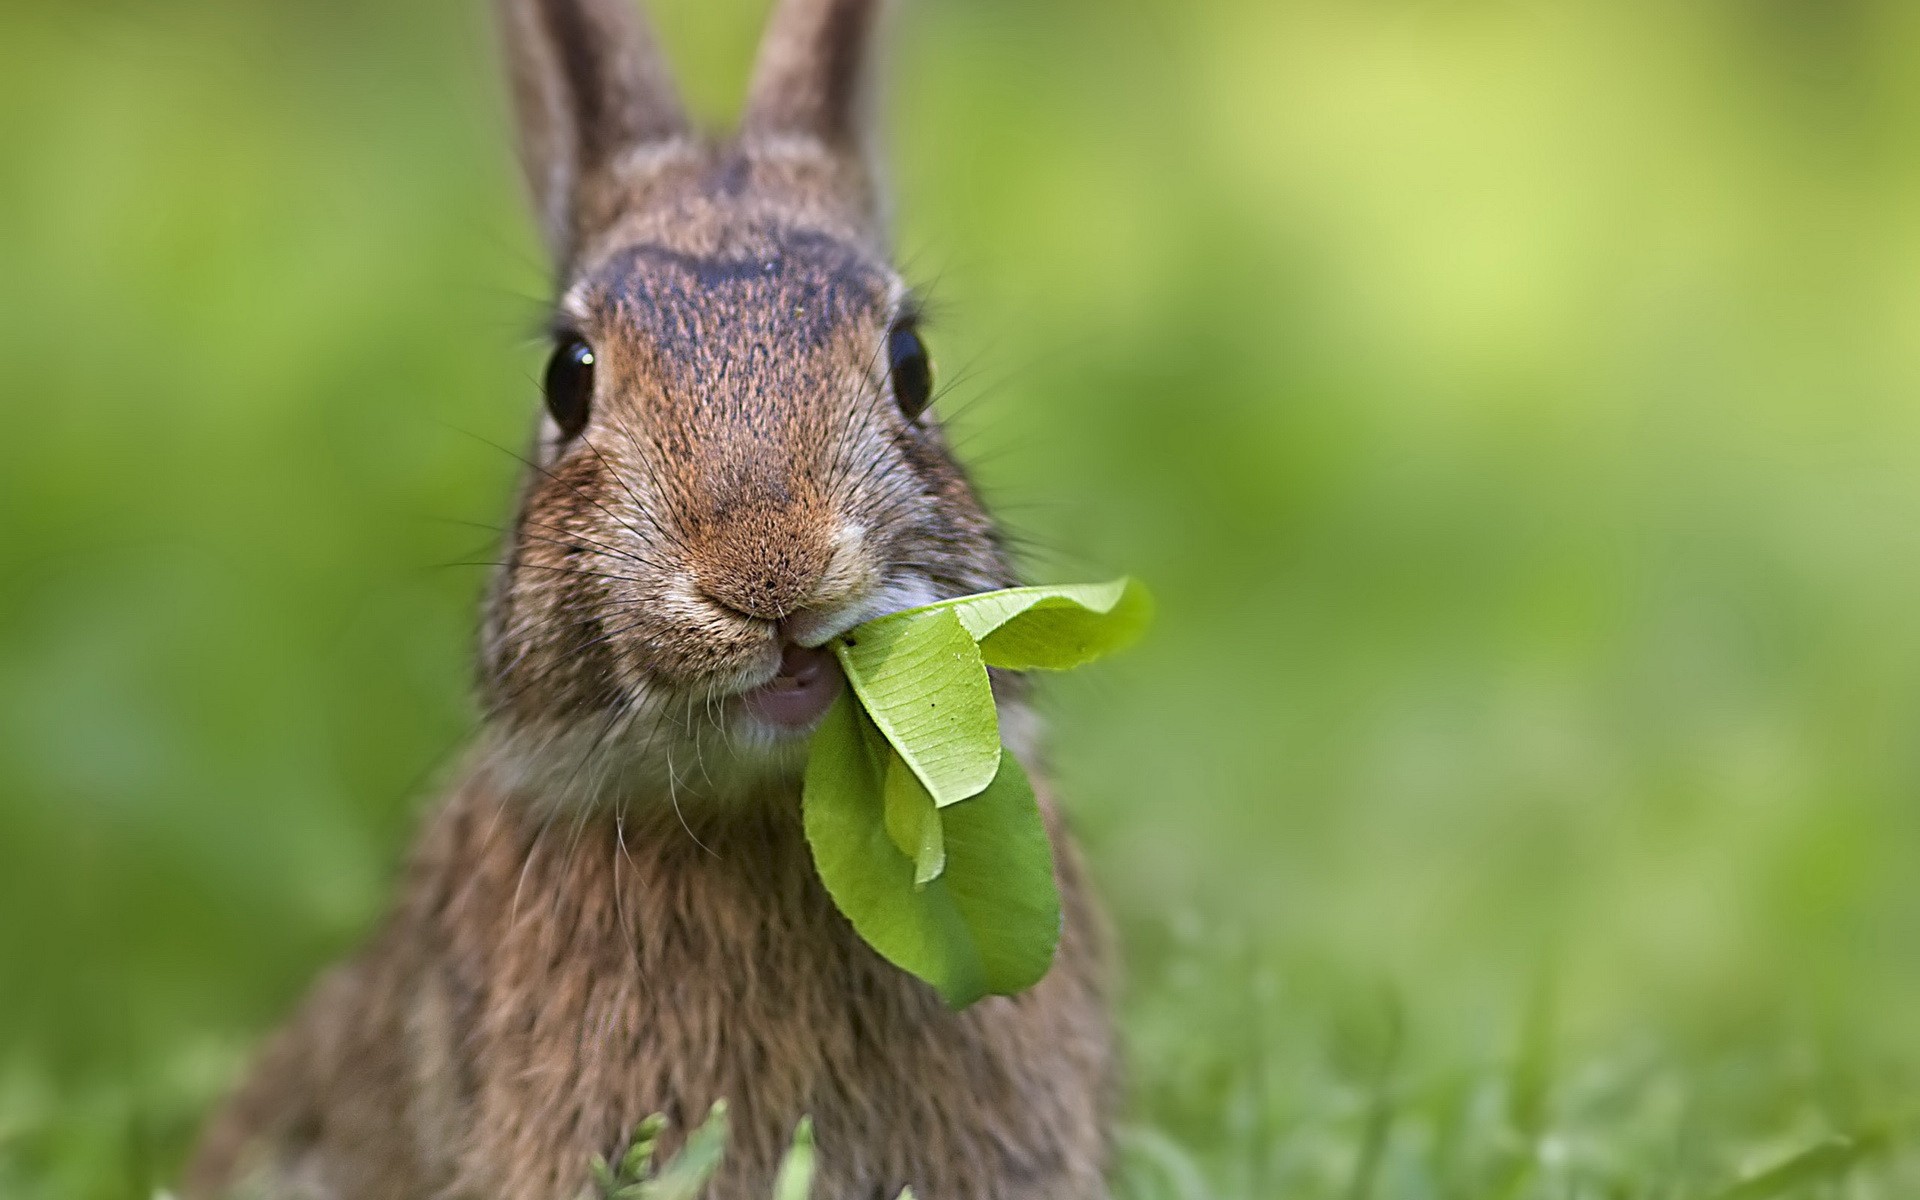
{"x":615,"y":912}
{"x":537,"y":994}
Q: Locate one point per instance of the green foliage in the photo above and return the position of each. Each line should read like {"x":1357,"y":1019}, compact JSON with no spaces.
{"x":1822,"y":1165}
{"x":989,"y":920}
{"x":683,"y":1176}
{"x":913,"y":821}
{"x":1054,"y":627}
{"x":795,"y":1178}
{"x":680,"y":1178}
{"x":946,"y":873}
{"x":921,"y":681}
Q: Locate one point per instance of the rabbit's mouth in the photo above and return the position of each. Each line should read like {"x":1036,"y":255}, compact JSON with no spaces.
{"x":809,"y":680}
{"x":786,"y":706}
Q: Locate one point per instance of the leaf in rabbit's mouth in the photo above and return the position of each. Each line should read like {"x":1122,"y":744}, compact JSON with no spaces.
{"x":808,"y":683}
{"x":924,"y":829}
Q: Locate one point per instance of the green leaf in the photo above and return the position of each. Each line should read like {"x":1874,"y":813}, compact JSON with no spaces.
{"x":913,"y":822}
{"x":1049,"y":628}
{"x":638,"y":1159}
{"x":688,"y":1173}
{"x":794,"y":1181}
{"x":921,"y":679}
{"x":918,"y":930}
{"x":604,"y":1180}
{"x":925,"y":832}
{"x":1000,"y":874}
{"x":988,"y":924}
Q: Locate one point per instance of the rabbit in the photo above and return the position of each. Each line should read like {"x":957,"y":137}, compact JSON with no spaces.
{"x":613,"y":912}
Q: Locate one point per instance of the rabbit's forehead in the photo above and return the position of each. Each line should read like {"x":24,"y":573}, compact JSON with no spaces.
{"x":795,"y":293}
{"x":735,"y":363}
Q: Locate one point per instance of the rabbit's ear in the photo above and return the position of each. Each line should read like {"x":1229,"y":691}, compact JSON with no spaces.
{"x":814,"y":79}
{"x":588,"y":85}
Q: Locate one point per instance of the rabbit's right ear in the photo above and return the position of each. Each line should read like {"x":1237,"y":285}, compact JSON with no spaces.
{"x":588,"y":85}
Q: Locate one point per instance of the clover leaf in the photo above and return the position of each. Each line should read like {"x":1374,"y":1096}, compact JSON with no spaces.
{"x":924,"y":830}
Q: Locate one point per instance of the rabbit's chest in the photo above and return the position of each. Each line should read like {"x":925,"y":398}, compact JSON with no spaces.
{"x":603,"y":977}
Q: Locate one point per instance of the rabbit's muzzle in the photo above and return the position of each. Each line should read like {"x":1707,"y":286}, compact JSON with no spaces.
{"x":763,"y":561}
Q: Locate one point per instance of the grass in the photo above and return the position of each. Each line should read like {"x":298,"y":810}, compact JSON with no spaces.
{"x":1300,"y":1100}
{"x":1352,"y":1108}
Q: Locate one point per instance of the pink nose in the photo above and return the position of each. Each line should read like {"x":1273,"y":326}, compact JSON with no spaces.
{"x":808,"y":682}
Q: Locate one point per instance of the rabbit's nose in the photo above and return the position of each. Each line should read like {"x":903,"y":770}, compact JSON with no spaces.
{"x":763,"y":565}
{"x":768,"y":598}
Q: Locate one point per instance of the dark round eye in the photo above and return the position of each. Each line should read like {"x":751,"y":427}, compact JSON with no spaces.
{"x":570,"y":385}
{"x":910,"y":369}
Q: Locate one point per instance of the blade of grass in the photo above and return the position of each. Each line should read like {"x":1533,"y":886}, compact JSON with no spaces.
{"x":795,"y":1178}
{"x":1825,"y":1162}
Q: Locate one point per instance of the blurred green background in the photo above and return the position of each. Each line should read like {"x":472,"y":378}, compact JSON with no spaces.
{"x":1515,"y":405}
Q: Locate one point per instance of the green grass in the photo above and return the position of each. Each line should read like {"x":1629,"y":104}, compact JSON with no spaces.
{"x":1301,"y":1101}
{"x":1511,"y":406}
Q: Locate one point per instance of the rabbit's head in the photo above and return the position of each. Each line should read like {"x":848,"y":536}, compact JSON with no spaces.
{"x":735,"y":461}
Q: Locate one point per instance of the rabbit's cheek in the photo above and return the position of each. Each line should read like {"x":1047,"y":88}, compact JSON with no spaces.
{"x":702,"y":641}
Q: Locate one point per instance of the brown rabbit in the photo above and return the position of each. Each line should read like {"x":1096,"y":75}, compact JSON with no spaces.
{"x":615,"y":913}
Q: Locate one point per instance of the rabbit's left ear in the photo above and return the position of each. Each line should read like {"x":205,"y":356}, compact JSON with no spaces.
{"x":589,"y":85}
{"x":815,"y":80}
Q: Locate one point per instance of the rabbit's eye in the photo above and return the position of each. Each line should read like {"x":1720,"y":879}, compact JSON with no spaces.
{"x":570,"y":385}
{"x":910,"y":369}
